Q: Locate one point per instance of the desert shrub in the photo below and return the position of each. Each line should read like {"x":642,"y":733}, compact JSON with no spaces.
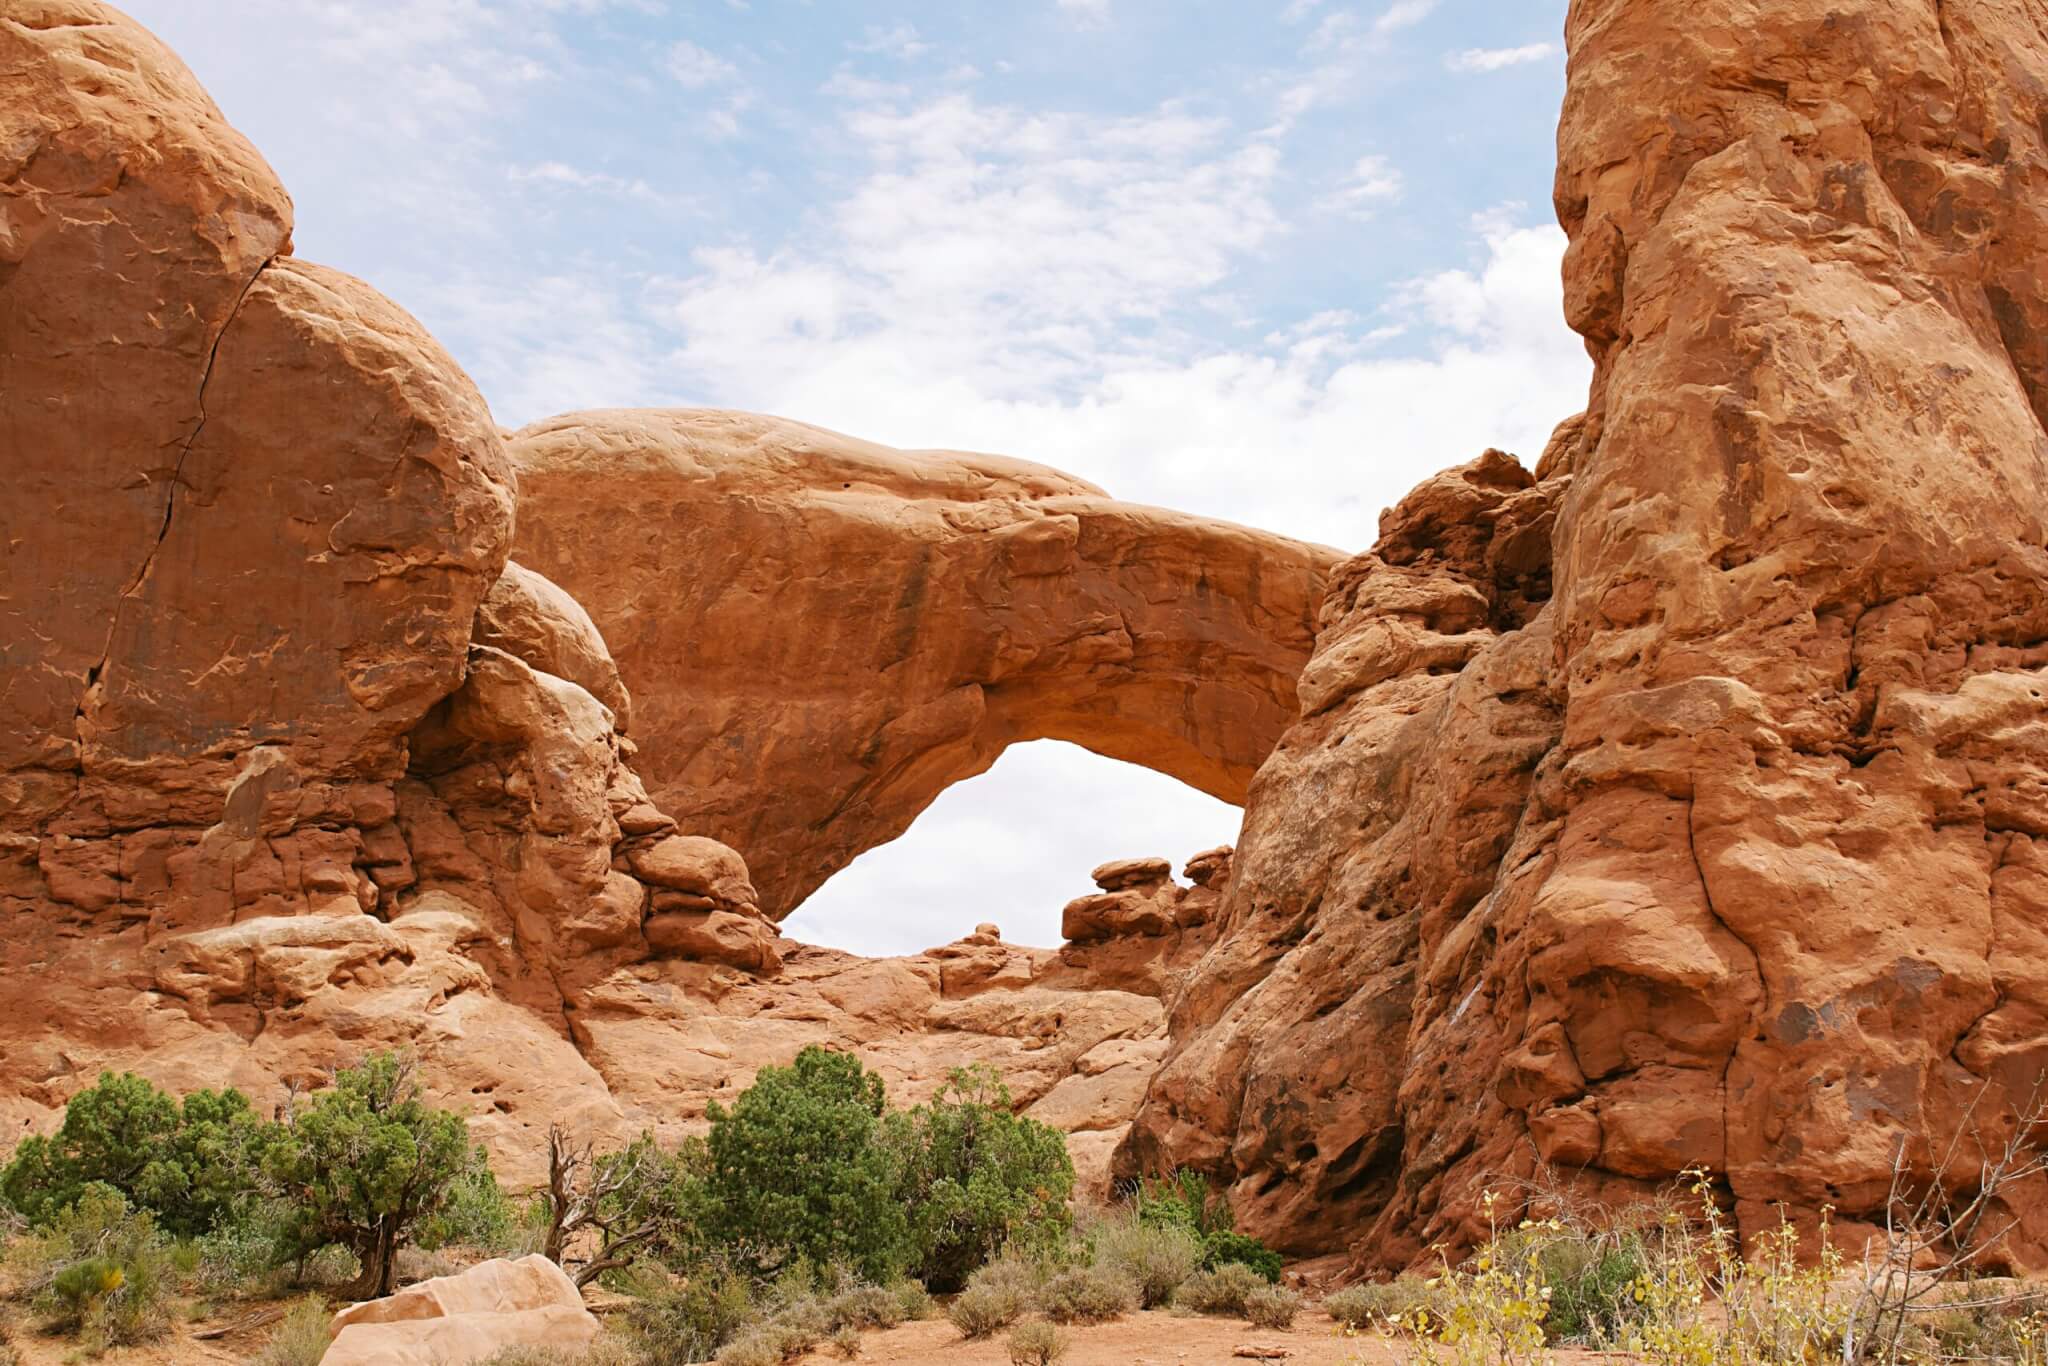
{"x":641,"y":1200}
{"x":1272,"y":1306}
{"x":186,"y":1164}
{"x":300,"y":1338}
{"x":976,"y":1177}
{"x":242,"y":1255}
{"x":912,"y":1299}
{"x":864,"y":1306}
{"x":996,"y":1296}
{"x":794,"y":1166}
{"x":363,"y":1165}
{"x":1973,"y":1322}
{"x":100,"y":1270}
{"x":475,"y":1215}
{"x":1036,"y":1343}
{"x":1087,"y":1294}
{"x":1154,"y":1257}
{"x":846,"y":1342}
{"x":691,"y":1319}
{"x":1591,"y":1278}
{"x":1185,"y":1201}
{"x":1401,"y":1303}
{"x":1222,"y":1291}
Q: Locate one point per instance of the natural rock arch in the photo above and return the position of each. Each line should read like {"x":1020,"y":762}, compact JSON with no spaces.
{"x":821,"y":634}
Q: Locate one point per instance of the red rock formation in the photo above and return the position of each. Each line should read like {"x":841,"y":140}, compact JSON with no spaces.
{"x":950,"y":605}
{"x":299,"y":765}
{"x":1724,"y":853}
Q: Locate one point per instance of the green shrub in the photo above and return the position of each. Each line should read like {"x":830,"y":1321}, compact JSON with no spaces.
{"x":692,"y":1319}
{"x":1087,"y":1294}
{"x":100,"y":1270}
{"x":796,"y":1172}
{"x":1590,"y":1278}
{"x":1222,"y":1291}
{"x":1036,"y":1344}
{"x":1224,"y":1247}
{"x":1154,"y":1257}
{"x":976,"y":1177}
{"x":1185,"y":1201}
{"x":1272,"y":1306}
{"x":300,"y":1338}
{"x":186,"y":1164}
{"x":363,"y":1165}
{"x":476,"y":1214}
{"x":241,"y":1256}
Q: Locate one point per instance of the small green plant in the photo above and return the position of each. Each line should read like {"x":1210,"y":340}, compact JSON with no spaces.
{"x":1155,"y":1257}
{"x":100,"y":1271}
{"x":1036,"y":1343}
{"x":1087,"y":1294}
{"x":1272,"y":1306}
{"x":301,"y":1336}
{"x":846,"y":1342}
{"x":1185,"y":1201}
{"x":1222,"y":1291}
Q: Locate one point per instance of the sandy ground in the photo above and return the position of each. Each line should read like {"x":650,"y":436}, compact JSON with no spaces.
{"x":1147,"y":1339}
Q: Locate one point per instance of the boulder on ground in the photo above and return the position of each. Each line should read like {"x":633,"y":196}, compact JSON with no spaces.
{"x":453,"y":1320}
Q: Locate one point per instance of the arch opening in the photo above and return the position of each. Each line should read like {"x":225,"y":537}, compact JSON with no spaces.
{"x":1011,"y":845}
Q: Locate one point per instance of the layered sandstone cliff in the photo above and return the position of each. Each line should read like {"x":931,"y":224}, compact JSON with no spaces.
{"x":1679,"y":808}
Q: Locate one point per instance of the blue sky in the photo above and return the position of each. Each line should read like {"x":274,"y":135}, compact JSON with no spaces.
{"x":1267,"y":261}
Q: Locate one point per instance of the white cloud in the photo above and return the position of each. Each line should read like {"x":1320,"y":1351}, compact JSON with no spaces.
{"x":1089,"y":12}
{"x":557,"y":173}
{"x":1402,"y":14}
{"x":1372,"y":181}
{"x":900,"y":42}
{"x":694,"y":67}
{"x":1494,"y":58}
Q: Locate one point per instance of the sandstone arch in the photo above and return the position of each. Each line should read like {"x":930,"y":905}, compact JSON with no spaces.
{"x":821,"y":634}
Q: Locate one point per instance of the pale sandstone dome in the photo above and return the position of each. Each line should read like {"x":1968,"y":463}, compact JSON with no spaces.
{"x":1673,"y":805}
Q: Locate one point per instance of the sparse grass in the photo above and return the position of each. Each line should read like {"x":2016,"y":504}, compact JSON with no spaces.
{"x":300,"y":1338}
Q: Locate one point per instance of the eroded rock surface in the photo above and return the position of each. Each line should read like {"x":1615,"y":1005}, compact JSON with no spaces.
{"x":940,"y":607}
{"x":1700,"y":825}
